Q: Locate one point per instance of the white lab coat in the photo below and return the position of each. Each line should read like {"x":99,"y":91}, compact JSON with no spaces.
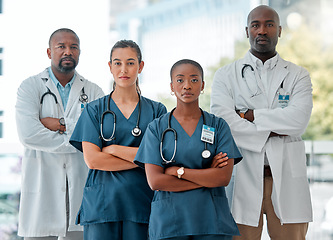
{"x":286,"y":155}
{"x":49,"y":158}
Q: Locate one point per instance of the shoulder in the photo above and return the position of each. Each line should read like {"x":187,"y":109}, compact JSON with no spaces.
{"x":37,"y":79}
{"x":151,"y":102}
{"x":34,"y":83}
{"x":87,"y":83}
{"x":159,"y":124}
{"x":292,"y":67}
{"x":156,"y":106}
{"x":97,"y":105}
{"x":215,"y":121}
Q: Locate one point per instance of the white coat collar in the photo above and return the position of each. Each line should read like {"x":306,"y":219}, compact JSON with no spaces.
{"x":74,"y":94}
{"x":281,"y":71}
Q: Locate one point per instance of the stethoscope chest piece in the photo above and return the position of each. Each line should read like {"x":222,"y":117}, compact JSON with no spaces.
{"x":136,"y":131}
{"x":83,"y":98}
{"x":206,"y":153}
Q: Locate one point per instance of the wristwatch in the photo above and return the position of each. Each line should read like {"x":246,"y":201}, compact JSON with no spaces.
{"x":62,"y":121}
{"x":242,"y":113}
{"x":180,"y":172}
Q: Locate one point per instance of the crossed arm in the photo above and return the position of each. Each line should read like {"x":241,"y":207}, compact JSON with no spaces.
{"x":218,"y":174}
{"x":248,"y":115}
{"x":110,"y":158}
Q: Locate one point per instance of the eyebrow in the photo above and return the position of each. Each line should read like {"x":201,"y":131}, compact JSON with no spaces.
{"x":192,"y":75}
{"x":129,"y":59}
{"x":267,"y":21}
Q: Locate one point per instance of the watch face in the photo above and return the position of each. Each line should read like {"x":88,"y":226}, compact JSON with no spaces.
{"x":62,"y":121}
{"x":180,"y":171}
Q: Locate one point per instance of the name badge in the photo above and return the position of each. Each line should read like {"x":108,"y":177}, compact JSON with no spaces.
{"x":283,"y":100}
{"x":207,"y":134}
{"x":83,"y":105}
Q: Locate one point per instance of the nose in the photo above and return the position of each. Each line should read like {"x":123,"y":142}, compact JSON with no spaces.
{"x":123,"y":69}
{"x":262,"y":30}
{"x":68,"y":51}
{"x":187,"y":85}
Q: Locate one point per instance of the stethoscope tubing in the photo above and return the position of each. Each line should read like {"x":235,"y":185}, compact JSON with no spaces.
{"x":136,"y":131}
{"x":205,"y":153}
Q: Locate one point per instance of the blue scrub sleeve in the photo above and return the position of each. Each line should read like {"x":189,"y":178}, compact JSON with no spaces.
{"x":226,"y":143}
{"x":149,"y":148}
{"x":87,"y":129}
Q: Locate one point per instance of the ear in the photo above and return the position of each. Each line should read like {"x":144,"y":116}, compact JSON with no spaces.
{"x":247,"y":32}
{"x":171,"y":87}
{"x":141,"y":66}
{"x":48,"y":51}
{"x":280,"y":30}
{"x":203,"y":85}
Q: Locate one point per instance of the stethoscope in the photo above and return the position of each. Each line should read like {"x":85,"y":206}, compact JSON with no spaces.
{"x":136,"y":131}
{"x":83,"y":97}
{"x":257,"y":92}
{"x":205,"y":153}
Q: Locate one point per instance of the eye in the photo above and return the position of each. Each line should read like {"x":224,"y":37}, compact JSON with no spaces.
{"x":179,"y":80}
{"x":117,"y":63}
{"x":270,"y":25}
{"x":255,"y":25}
{"x":130,"y":63}
{"x":74,"y":47}
{"x":194,"y":80}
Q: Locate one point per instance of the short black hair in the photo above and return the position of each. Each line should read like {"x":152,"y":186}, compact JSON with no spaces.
{"x":125,"y":44}
{"x":187,"y":61}
{"x":63,"y":30}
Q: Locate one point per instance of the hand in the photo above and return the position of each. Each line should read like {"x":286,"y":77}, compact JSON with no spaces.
{"x":220,"y":160}
{"x":274,"y":134}
{"x":248,"y":115}
{"x":53,"y":124}
{"x":172,"y":171}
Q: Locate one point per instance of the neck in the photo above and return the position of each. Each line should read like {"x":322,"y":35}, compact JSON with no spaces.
{"x":189,"y":110}
{"x":63,"y":78}
{"x":125,"y":94}
{"x":264,"y":56}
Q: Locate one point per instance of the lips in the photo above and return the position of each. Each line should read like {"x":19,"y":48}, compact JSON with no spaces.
{"x":123,"y":77}
{"x":67,"y":60}
{"x":262,"y":40}
{"x":187,"y":94}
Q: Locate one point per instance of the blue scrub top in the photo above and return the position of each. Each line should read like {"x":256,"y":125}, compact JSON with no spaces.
{"x":196,"y":212}
{"x":119,"y":195}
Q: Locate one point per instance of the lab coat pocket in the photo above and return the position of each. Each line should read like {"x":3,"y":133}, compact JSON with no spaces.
{"x":31,"y":173}
{"x":93,"y":204}
{"x":295,"y":154}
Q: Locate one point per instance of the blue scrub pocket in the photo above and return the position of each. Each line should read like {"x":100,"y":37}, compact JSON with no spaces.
{"x":162,"y":219}
{"x":93,"y":204}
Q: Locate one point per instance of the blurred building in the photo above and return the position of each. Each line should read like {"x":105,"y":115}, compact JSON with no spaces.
{"x":205,"y":31}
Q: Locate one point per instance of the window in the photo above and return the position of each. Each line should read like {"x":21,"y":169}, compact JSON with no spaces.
{"x":1,"y":124}
{"x":1,"y":54}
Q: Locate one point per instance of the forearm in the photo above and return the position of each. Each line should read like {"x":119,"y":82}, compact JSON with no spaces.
{"x":170,"y":183}
{"x":209,"y":177}
{"x":96,"y":159}
{"x":123,"y":152}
